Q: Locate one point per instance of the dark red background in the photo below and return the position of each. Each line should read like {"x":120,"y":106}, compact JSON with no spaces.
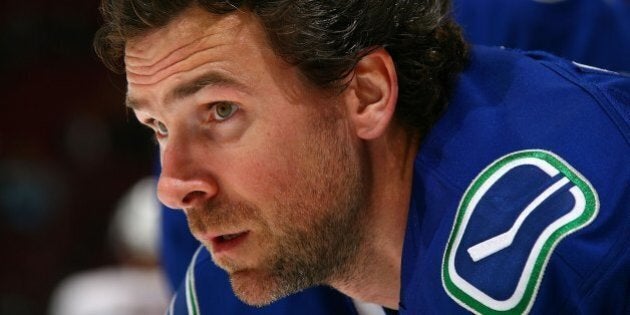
{"x":68,"y":149}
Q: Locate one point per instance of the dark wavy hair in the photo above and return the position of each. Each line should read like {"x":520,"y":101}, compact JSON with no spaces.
{"x":325,"y":39}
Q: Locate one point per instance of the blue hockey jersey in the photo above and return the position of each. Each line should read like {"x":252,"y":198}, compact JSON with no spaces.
{"x":594,"y":32}
{"x":520,"y":201}
{"x":521,"y":195}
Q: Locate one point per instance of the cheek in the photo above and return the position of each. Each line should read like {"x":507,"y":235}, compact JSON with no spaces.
{"x":281,"y":173}
{"x":260,"y":176}
{"x":274,"y":182}
{"x":267,"y":161}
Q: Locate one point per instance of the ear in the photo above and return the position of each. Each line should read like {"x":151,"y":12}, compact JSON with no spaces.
{"x":372,"y":94}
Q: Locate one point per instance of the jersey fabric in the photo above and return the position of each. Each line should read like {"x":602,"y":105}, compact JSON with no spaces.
{"x":520,"y":201}
{"x":594,"y":32}
{"x":521,"y":196}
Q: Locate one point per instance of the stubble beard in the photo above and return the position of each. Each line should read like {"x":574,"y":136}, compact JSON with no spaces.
{"x":319,"y":228}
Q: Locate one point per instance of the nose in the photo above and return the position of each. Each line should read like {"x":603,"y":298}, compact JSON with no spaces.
{"x":183,"y":182}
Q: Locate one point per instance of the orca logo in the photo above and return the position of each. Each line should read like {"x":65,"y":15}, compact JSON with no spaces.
{"x":507,"y":226}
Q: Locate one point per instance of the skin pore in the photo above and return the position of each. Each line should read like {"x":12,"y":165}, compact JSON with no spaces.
{"x":314,"y":185}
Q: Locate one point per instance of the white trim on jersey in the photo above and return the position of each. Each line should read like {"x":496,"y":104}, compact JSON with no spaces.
{"x":364,"y":308}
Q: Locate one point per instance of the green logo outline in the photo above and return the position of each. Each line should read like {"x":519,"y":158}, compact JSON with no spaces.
{"x":461,"y":292}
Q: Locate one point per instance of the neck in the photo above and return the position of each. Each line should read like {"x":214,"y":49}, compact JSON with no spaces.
{"x":375,"y":275}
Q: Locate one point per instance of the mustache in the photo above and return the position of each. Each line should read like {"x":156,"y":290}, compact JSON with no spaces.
{"x":220,"y":212}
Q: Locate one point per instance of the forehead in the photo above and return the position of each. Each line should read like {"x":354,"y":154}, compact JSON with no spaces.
{"x":189,"y":41}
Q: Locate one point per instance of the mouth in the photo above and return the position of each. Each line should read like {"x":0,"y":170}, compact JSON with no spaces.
{"x":226,"y":242}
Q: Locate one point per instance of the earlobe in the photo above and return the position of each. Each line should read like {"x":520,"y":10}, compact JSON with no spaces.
{"x":375,"y":92}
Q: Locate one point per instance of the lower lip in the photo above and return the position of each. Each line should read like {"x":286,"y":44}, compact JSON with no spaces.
{"x":219,"y":245}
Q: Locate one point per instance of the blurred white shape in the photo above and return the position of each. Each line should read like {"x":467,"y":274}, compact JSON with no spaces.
{"x":115,"y":290}
{"x":135,"y":287}
{"x":134,"y":230}
{"x":365,"y":308}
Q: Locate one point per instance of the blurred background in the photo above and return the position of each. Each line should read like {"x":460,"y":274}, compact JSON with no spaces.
{"x":68,"y":150}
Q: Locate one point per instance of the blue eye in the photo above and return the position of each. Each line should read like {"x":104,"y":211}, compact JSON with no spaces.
{"x":224,"y":110}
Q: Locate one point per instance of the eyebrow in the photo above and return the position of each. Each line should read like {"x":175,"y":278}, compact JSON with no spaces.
{"x":132,"y":103}
{"x":191,"y":87}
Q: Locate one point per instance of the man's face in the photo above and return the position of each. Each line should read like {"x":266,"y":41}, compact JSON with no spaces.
{"x":266,"y":167}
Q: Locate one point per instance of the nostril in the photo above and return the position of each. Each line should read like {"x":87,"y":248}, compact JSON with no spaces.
{"x":192,"y":197}
{"x":180,"y":193}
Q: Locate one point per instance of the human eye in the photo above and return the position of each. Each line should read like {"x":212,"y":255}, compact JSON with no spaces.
{"x":223,"y":110}
{"x":158,"y":127}
{"x":160,"y":130}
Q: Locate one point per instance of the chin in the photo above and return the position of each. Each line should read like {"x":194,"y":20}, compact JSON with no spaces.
{"x":256,"y":288}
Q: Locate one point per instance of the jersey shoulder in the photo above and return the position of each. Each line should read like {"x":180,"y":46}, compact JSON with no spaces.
{"x":520,"y":192}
